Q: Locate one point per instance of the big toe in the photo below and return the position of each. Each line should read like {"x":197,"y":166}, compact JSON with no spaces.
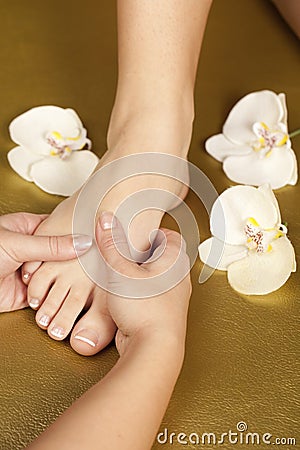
{"x":95,"y":330}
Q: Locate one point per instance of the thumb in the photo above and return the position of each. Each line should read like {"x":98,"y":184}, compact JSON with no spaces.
{"x":22,"y":247}
{"x":112,"y":242}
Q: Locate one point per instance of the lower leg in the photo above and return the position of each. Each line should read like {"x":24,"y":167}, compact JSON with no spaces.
{"x":158,"y":50}
{"x":290,"y":11}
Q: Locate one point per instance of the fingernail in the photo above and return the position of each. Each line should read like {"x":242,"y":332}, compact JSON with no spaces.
{"x":57,"y":332}
{"x":107,"y":220}
{"x":44,"y":320}
{"x":34,"y":302}
{"x":87,"y":336}
{"x":26,"y":276}
{"x":82,"y":242}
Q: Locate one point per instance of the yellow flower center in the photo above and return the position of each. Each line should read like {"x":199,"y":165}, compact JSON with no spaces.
{"x":259,"y":239}
{"x":61,"y":146}
{"x":268,"y":138}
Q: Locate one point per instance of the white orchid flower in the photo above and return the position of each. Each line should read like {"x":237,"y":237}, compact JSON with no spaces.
{"x":257,"y":254}
{"x":48,"y":139}
{"x":255,"y":147}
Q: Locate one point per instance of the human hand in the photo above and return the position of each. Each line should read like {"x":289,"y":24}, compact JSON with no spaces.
{"x":17,"y":246}
{"x":150,"y":341}
{"x":162,"y":316}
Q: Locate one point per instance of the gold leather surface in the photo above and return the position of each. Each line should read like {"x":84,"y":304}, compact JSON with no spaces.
{"x":241,"y":357}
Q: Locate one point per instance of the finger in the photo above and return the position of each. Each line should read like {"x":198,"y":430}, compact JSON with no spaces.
{"x":22,"y":222}
{"x":112,"y":242}
{"x":22,"y":247}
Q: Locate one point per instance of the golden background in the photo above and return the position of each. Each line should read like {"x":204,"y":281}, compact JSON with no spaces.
{"x":241,"y":358}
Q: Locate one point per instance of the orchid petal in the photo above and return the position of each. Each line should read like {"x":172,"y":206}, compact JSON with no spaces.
{"x":219,"y":147}
{"x":294,"y":177}
{"x":266,"y":190}
{"x":64,"y":177}
{"x":31,"y":128}
{"x":282,"y":99}
{"x":220,"y":261}
{"x":259,"y":274}
{"x":237,"y":204}
{"x":262,"y":106}
{"x":21,"y":160}
{"x":83,"y":138}
{"x":74,"y":114}
{"x":277,"y":169}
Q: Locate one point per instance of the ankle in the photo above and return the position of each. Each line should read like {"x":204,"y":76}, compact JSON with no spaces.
{"x":150,"y":129}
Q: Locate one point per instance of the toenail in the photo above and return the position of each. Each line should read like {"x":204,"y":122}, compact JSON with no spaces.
{"x":87,"y":336}
{"x":44,"y":320}
{"x":34,"y":302}
{"x":57,"y":332}
{"x":26,"y":275}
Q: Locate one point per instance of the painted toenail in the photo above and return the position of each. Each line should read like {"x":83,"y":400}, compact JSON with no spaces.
{"x":57,"y":332}
{"x":34,"y":303}
{"x":44,"y":321}
{"x":26,"y":275}
{"x":87,"y":336}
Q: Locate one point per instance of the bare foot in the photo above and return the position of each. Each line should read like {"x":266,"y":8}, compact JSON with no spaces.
{"x":60,"y":291}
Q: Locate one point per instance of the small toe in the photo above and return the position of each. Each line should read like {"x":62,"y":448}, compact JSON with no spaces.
{"x":96,"y":329}
{"x":51,"y":304}
{"x":28,"y":269}
{"x":65,"y":318}
{"x":39,"y":285}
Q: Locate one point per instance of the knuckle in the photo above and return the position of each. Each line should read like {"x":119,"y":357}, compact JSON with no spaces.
{"x":108,"y":244}
{"x":53,"y":245}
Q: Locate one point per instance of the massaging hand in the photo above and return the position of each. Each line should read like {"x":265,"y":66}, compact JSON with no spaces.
{"x":164,"y":315}
{"x":150,"y":341}
{"x":17,"y":246}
